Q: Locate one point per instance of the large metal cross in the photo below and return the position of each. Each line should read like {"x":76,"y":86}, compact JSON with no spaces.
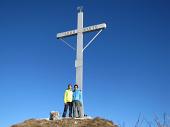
{"x":80,"y":48}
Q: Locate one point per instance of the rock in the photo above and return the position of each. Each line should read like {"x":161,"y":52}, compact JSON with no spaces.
{"x":54,"y":115}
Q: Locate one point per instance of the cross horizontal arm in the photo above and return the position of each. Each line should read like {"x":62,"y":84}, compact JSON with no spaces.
{"x":86,"y":29}
{"x":94,"y":27}
{"x":66,"y":34}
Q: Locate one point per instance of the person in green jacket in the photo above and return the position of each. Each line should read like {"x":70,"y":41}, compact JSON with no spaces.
{"x":68,"y":95}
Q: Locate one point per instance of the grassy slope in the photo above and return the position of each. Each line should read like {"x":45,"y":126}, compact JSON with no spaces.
{"x":96,"y":122}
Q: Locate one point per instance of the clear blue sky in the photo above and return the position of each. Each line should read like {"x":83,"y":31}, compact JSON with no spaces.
{"x":126,"y":69}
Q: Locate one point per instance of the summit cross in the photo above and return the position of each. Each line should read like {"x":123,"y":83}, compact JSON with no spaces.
{"x":80,"y":48}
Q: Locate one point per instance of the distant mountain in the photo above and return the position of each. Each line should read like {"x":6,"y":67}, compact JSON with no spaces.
{"x":67,"y":122}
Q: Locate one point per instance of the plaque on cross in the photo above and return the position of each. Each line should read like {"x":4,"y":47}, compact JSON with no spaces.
{"x":80,"y":48}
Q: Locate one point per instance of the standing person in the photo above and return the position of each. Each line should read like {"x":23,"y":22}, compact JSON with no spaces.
{"x":68,"y":96}
{"x":77,"y":102}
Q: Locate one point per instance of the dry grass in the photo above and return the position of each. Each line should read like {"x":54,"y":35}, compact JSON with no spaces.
{"x":96,"y":122}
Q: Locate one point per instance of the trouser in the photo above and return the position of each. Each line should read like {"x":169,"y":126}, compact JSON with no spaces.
{"x":66,"y":106}
{"x":77,"y":109}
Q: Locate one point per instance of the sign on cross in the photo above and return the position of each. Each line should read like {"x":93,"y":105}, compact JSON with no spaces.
{"x":79,"y":55}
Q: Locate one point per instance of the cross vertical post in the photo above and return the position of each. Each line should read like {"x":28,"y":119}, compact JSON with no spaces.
{"x":79,"y":56}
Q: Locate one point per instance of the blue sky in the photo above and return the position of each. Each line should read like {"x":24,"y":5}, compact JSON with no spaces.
{"x":126,"y":69}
